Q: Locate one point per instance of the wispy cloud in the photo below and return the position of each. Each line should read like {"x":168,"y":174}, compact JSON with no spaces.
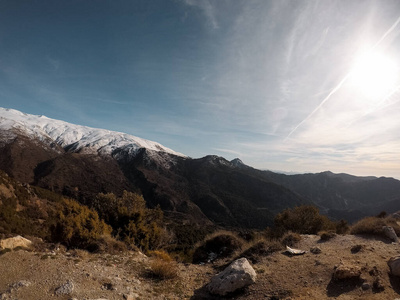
{"x":207,"y":8}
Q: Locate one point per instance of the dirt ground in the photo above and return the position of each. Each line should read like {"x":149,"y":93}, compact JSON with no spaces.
{"x":78,"y":275}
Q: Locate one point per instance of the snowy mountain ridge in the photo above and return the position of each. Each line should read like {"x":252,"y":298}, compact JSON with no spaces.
{"x":73,"y":137}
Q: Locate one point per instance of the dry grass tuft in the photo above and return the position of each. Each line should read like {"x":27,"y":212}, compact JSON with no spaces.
{"x":108,"y":244}
{"x":221,"y":243}
{"x":259,"y":248}
{"x":162,"y":269}
{"x":160,"y":254}
{"x":79,"y":253}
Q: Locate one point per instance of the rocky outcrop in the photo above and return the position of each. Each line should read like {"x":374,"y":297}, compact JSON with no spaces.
{"x":14,"y":242}
{"x":237,"y":275}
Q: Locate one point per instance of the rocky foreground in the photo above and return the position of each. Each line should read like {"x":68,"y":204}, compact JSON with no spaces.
{"x":344,"y":267}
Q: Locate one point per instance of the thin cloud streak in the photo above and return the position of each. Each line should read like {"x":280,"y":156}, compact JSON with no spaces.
{"x":334,"y":90}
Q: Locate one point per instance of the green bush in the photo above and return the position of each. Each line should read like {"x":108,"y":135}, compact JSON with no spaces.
{"x":77,"y":226}
{"x":131,"y":221}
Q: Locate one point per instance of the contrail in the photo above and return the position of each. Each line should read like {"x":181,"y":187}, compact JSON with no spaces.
{"x":320,"y":105}
{"x":335,"y":89}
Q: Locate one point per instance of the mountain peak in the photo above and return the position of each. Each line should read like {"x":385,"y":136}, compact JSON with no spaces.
{"x":74,"y":138}
{"x":237,"y":162}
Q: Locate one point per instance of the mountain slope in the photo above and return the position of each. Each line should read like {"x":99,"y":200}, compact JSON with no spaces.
{"x":343,"y":195}
{"x":80,"y":162}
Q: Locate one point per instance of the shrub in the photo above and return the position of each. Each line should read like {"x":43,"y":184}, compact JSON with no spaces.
{"x":260,"y":248}
{"x":160,"y":254}
{"x":302,"y":219}
{"x":107,"y":244}
{"x":342,"y":227}
{"x":222,"y":244}
{"x":290,"y":239}
{"x":327,"y":235}
{"x":373,"y":225}
{"x":77,"y":226}
{"x":162,"y":269}
{"x":131,"y":221}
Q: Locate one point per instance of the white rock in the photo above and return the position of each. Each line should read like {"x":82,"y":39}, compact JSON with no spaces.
{"x":394,"y":265}
{"x":237,"y":275}
{"x":17,"y":241}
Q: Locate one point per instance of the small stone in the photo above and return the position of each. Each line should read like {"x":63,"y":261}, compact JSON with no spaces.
{"x":66,"y":288}
{"x":366,"y":286}
{"x":390,"y":233}
{"x":346,"y":271}
{"x":315,"y":250}
{"x":22,"y":283}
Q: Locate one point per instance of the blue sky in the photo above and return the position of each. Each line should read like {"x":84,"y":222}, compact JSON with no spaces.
{"x":302,"y":86}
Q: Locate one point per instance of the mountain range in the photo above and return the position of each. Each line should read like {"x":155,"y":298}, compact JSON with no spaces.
{"x":81,"y":162}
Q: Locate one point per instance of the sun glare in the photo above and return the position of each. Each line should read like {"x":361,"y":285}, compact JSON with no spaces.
{"x":374,"y":75}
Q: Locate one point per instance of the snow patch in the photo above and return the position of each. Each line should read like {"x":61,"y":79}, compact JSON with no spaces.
{"x":73,"y":137}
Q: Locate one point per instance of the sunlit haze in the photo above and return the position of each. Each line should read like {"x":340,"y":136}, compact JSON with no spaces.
{"x":302,"y":86}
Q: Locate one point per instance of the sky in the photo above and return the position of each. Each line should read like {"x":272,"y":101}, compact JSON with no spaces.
{"x":296,"y":86}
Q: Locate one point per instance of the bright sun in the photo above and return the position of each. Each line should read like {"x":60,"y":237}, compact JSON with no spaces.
{"x":374,"y":75}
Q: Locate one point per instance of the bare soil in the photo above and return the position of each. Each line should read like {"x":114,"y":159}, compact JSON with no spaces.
{"x":34,"y":275}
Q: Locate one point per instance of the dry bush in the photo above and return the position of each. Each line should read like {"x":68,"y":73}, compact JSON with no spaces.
{"x":373,"y":225}
{"x":290,"y":239}
{"x":108,"y":244}
{"x":304,"y":219}
{"x":161,"y":254}
{"x":222,"y":243}
{"x":259,"y":248}
{"x":342,"y":227}
{"x":162,"y":269}
{"x":79,"y":253}
{"x":327,"y":235}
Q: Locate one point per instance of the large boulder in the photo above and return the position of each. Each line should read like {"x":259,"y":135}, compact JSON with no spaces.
{"x":394,"y":265}
{"x":237,"y":275}
{"x":14,"y":242}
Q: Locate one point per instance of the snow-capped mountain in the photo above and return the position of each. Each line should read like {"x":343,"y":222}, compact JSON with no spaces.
{"x":74,"y":138}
